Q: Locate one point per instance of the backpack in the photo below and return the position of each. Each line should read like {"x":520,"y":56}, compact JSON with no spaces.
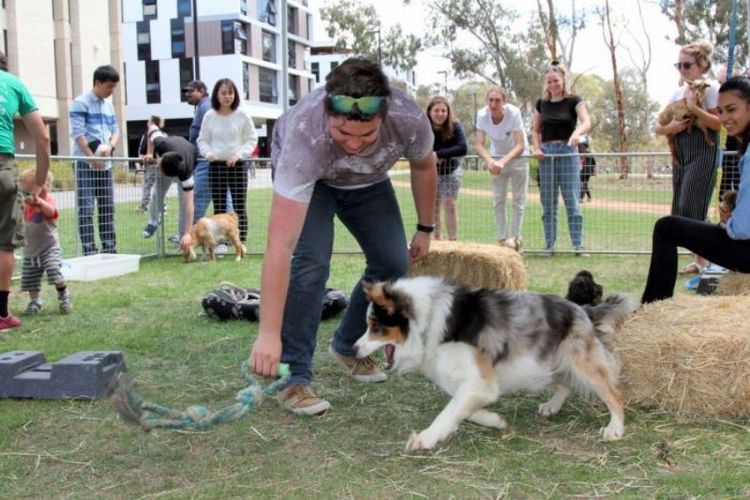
{"x":233,"y":302}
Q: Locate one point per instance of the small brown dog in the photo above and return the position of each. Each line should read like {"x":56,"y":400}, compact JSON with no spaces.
{"x":209,"y":231}
{"x":679,"y":111}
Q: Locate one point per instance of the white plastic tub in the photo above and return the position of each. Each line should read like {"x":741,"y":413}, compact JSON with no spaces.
{"x":99,"y":266}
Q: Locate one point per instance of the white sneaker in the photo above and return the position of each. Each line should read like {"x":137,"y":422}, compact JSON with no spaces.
{"x":221,"y":249}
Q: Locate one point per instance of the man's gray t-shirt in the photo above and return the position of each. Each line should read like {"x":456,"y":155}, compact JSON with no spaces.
{"x":303,"y":152}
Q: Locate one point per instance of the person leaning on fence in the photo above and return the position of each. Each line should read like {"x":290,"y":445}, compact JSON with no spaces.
{"x":449,"y":146}
{"x":150,"y":173}
{"x":502,"y":123}
{"x":560,"y":119}
{"x":726,"y":244}
{"x":16,"y":100}
{"x":588,"y":169}
{"x":95,"y":134}
{"x":331,"y":154}
{"x":41,"y":251}
{"x":694,"y":178}
{"x":226,"y":139}
{"x":175,"y":158}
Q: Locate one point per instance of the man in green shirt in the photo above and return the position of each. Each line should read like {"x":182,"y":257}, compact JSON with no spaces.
{"x":16,"y":100}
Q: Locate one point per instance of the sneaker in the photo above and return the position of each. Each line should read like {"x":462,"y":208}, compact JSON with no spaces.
{"x":301,"y":400}
{"x":149,"y":230}
{"x":33,"y":308}
{"x":361,"y":370}
{"x":174,"y":239}
{"x":66,"y":305}
{"x":580,"y":252}
{"x":221,"y":249}
{"x":514,"y":243}
{"x":548,"y":252}
{"x":9,"y":322}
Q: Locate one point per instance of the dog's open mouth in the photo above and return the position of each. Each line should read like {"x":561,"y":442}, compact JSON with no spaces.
{"x":389,"y":350}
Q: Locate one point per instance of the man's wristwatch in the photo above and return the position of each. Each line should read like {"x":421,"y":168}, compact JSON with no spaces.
{"x":424,"y":228}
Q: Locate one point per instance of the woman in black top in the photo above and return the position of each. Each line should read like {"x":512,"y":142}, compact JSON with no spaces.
{"x":450,"y":143}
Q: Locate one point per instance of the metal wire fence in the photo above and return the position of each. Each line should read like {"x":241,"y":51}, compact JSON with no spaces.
{"x":624,"y":195}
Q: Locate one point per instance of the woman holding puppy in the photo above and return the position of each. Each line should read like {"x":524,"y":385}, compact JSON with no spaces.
{"x":727,"y":244}
{"x":226,"y":139}
{"x":694,"y":178}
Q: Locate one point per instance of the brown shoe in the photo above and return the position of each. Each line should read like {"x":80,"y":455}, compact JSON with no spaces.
{"x":301,"y":400}
{"x":361,"y":370}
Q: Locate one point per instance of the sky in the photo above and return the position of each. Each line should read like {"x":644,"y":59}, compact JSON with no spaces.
{"x":591,"y":55}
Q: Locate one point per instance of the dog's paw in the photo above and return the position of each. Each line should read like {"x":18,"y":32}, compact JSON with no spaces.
{"x":612,"y":432}
{"x":419,"y":442}
{"x":548,"y":409}
{"x":238,"y":258}
{"x":489,"y":419}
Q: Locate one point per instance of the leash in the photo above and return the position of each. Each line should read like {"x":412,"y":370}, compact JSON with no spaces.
{"x":134,"y":410}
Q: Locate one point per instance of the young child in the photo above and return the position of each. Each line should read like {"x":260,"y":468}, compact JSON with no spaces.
{"x":41,"y":252}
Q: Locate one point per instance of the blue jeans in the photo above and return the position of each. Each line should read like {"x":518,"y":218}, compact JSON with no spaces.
{"x":95,"y":187}
{"x":372,"y":216}
{"x":560,"y":175}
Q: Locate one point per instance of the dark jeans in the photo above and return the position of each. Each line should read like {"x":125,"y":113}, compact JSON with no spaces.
{"x":372,"y":216}
{"x":222,"y":178}
{"x":95,"y":187}
{"x":704,"y":239}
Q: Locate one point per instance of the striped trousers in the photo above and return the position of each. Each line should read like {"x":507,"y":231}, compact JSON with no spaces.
{"x":694,"y":180}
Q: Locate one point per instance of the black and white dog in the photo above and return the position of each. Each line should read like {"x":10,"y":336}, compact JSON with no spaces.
{"x":478,"y":344}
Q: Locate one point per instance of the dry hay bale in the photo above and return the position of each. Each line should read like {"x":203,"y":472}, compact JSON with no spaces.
{"x":474,"y":265}
{"x":734,"y":283}
{"x":689,"y":355}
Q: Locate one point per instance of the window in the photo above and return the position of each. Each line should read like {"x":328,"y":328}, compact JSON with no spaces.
{"x":316,"y":71}
{"x":153,"y":88}
{"x":186,"y":76}
{"x":149,"y":8}
{"x":178,"y":37}
{"x":246,"y":80}
{"x":269,"y":91}
{"x":291,"y":19}
{"x":269,"y":47}
{"x":184,"y":8}
{"x":334,"y":64}
{"x":292,"y":50}
{"x":267,"y":11}
{"x":243,"y":7}
{"x":144,"y":40}
{"x":233,"y":37}
{"x":293,"y":89}
{"x":308,"y":35}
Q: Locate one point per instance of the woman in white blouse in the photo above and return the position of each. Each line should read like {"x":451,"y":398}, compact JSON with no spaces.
{"x":226,"y":140}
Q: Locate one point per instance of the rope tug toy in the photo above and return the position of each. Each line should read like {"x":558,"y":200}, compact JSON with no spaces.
{"x":134,"y":410}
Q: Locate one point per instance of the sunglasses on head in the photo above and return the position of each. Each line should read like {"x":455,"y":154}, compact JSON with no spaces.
{"x":683,"y":65}
{"x":366,"y":106}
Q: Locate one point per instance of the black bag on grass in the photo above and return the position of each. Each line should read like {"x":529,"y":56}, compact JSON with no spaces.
{"x":233,"y":302}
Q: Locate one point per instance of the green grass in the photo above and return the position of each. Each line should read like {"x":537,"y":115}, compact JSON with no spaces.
{"x":180,"y":357}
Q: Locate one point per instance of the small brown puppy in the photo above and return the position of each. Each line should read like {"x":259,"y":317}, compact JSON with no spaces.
{"x":679,"y":111}
{"x":209,"y":231}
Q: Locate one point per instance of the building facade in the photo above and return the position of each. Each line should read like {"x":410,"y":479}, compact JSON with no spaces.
{"x":237,"y":39}
{"x":54,"y":47}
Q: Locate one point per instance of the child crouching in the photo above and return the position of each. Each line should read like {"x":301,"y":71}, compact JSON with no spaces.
{"x":41,"y":252}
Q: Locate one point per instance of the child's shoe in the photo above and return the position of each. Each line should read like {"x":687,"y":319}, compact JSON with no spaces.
{"x":9,"y":322}
{"x":34,"y":308}
{"x":66,"y":305}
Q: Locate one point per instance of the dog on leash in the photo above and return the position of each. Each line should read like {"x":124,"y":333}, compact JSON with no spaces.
{"x":477,"y":344}
{"x":209,"y":231}
{"x":679,"y":111}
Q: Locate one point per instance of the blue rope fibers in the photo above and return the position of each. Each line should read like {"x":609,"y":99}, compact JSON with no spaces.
{"x":133,"y":409}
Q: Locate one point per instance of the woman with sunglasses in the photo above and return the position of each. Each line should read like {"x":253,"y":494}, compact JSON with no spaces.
{"x":728,"y":243}
{"x":450,"y":144}
{"x":228,"y":138}
{"x":560,"y":119}
{"x":693,"y":180}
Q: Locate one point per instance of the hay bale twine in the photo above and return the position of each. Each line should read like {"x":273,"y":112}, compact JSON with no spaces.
{"x":688,"y":355}
{"x":474,"y":265}
{"x":734,"y":283}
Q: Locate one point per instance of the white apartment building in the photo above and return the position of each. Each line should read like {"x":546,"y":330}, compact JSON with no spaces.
{"x":324,"y":57}
{"x":237,"y":39}
{"x":54,"y":46}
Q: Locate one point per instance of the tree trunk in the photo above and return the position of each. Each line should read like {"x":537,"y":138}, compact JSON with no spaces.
{"x":609,"y":40}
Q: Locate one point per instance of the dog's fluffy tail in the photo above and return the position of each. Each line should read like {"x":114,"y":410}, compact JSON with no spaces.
{"x":609,"y":313}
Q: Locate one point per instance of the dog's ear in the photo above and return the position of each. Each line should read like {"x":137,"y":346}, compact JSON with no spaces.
{"x":367,"y":288}
{"x":380,"y":294}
